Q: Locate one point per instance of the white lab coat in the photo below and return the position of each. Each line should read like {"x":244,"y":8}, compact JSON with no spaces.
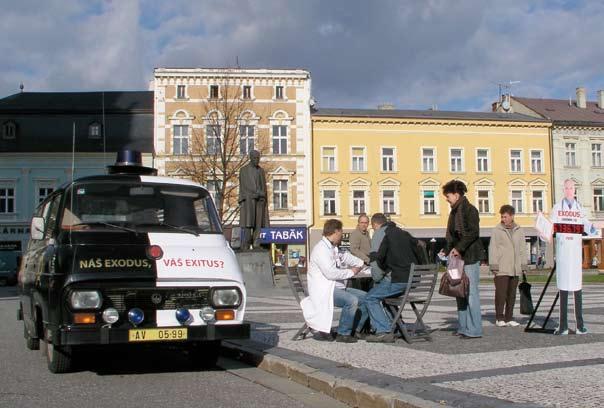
{"x":568,"y":246}
{"x":326,"y":265}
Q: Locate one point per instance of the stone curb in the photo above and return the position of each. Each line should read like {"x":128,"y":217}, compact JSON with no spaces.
{"x":353,"y":393}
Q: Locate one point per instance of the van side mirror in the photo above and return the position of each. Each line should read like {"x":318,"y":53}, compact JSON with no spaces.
{"x":37,"y":228}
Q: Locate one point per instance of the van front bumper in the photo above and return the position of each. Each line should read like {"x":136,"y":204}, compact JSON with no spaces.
{"x":78,"y":335}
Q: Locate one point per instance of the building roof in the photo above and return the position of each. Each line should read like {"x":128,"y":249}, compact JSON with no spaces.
{"x":425,"y":114}
{"x":45,"y":121}
{"x":112,"y":101}
{"x":561,"y":111}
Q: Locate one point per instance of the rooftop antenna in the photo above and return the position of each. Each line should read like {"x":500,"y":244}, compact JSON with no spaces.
{"x":21,"y":87}
{"x":505,"y":91}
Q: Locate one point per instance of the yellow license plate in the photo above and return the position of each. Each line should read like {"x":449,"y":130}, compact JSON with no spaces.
{"x":169,"y":334}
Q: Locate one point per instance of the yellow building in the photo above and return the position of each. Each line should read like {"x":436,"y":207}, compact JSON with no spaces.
{"x":396,"y":162}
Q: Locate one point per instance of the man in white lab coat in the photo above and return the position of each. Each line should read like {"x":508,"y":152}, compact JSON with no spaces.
{"x":327,"y":271}
{"x":570,"y":223}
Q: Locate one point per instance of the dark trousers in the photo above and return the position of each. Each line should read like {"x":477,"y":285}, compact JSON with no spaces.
{"x":505,"y":297}
{"x":564,"y":309}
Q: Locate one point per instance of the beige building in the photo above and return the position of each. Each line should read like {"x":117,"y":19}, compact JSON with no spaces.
{"x":225,"y":113}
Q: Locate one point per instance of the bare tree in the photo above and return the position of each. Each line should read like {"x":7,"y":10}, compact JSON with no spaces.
{"x":220,"y":144}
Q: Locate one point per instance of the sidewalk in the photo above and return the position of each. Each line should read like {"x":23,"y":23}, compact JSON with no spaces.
{"x":507,"y":367}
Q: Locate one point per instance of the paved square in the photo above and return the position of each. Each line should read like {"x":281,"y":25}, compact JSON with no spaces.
{"x":507,"y":363}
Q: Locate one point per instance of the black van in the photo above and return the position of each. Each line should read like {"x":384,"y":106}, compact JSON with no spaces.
{"x":129,"y":257}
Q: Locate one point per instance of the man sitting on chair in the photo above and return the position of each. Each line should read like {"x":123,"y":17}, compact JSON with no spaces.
{"x":327,"y":270}
{"x":397,"y":251}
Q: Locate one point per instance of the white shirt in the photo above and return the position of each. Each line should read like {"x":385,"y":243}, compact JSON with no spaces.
{"x":327,"y":269}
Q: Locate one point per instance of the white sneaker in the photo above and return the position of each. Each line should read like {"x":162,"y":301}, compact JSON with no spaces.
{"x":512,"y":323}
{"x":582,"y":331}
{"x":557,"y":332}
{"x":500,"y":323}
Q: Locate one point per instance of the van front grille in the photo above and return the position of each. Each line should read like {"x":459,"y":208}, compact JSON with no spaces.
{"x":156,"y":298}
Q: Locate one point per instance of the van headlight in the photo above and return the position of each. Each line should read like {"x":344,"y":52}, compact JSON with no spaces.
{"x":226,"y":297}
{"x":85,"y":299}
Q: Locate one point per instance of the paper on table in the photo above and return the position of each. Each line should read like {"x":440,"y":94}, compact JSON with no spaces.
{"x":365,"y":272}
{"x":544,"y":227}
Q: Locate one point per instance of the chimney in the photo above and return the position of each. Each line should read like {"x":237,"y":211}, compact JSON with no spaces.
{"x":386,"y":106}
{"x":601,"y":99}
{"x":581,"y":102}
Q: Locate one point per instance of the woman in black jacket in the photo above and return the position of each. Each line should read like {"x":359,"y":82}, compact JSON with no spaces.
{"x":463,"y":230}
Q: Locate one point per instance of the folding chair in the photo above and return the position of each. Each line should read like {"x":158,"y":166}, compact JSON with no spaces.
{"x":420,"y":287}
{"x":300,"y":292}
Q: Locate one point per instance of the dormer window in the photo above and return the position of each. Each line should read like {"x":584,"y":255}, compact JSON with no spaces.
{"x":94,"y":130}
{"x":9,"y":130}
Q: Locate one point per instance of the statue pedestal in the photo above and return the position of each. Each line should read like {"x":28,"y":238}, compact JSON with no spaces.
{"x":257,"y":268}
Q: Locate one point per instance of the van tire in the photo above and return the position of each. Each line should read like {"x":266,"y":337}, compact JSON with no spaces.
{"x":58,"y":358}
{"x":30,"y":342}
{"x":204,"y":354}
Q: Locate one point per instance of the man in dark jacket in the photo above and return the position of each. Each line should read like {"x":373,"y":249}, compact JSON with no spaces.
{"x":397,"y":252}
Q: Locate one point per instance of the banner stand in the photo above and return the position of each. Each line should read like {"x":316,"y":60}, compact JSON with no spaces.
{"x":543,"y":329}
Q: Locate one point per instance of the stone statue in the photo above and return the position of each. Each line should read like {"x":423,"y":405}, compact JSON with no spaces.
{"x":252,"y":201}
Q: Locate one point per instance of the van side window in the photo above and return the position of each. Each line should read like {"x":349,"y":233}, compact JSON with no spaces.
{"x":51,"y":218}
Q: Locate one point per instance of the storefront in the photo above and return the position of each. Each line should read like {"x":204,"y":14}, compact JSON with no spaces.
{"x":287,"y":246}
{"x":13,"y":240}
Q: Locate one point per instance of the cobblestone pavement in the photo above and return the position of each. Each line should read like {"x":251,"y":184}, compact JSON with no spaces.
{"x":507,"y":363}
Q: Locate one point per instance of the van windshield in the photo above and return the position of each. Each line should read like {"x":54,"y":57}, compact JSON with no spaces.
{"x":139,"y":207}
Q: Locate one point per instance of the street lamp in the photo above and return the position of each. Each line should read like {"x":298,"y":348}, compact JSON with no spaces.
{"x":432,"y":244}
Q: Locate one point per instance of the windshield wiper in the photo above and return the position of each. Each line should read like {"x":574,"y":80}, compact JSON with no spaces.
{"x":106,"y":224}
{"x":176,"y":227}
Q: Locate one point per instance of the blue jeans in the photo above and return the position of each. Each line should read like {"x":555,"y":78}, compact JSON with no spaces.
{"x":468,"y":310}
{"x":350,"y":300}
{"x":380,"y":321}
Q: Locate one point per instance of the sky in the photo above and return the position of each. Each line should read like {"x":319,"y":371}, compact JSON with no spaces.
{"x":414,"y":54}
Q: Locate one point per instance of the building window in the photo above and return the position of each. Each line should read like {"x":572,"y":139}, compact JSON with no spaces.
{"x":537,"y":201}
{"x":279,"y":92}
{"x":516,"y":161}
{"x":280,"y":194}
{"x":7,"y":200}
{"x":570,"y":154}
{"x":517,"y":201}
{"x":94,"y":130}
{"x":536,"y":161}
{"x":484,"y":201}
{"x":43,"y":190}
{"x":358,"y":202}
{"x":598,"y":199}
{"x":429,"y":202}
{"x":456,"y":156}
{"x":279,"y":139}
{"x":482,"y":160}
{"x":329,"y":202}
{"x":180,"y":139}
{"x":328,"y":158}
{"x":246,"y":139}
{"x":180,"y":92}
{"x":388,"y":202}
{"x":214,"y":187}
{"x":596,"y":154}
{"x":214,"y":92}
{"x":213,"y":139}
{"x":247,"y":92}
{"x":358,"y":159}
{"x":9,"y":130}
{"x":428,"y":159}
{"x":387,"y":159}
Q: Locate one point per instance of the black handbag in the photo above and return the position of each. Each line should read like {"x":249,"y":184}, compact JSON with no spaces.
{"x":459,"y":288}
{"x":526,"y":301}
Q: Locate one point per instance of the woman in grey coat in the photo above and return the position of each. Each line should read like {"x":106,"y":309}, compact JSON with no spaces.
{"x":507,"y":260}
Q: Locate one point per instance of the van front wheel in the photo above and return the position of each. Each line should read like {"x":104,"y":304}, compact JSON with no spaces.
{"x":58,"y":358}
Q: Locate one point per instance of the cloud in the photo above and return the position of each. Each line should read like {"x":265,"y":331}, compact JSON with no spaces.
{"x":360,"y":54}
